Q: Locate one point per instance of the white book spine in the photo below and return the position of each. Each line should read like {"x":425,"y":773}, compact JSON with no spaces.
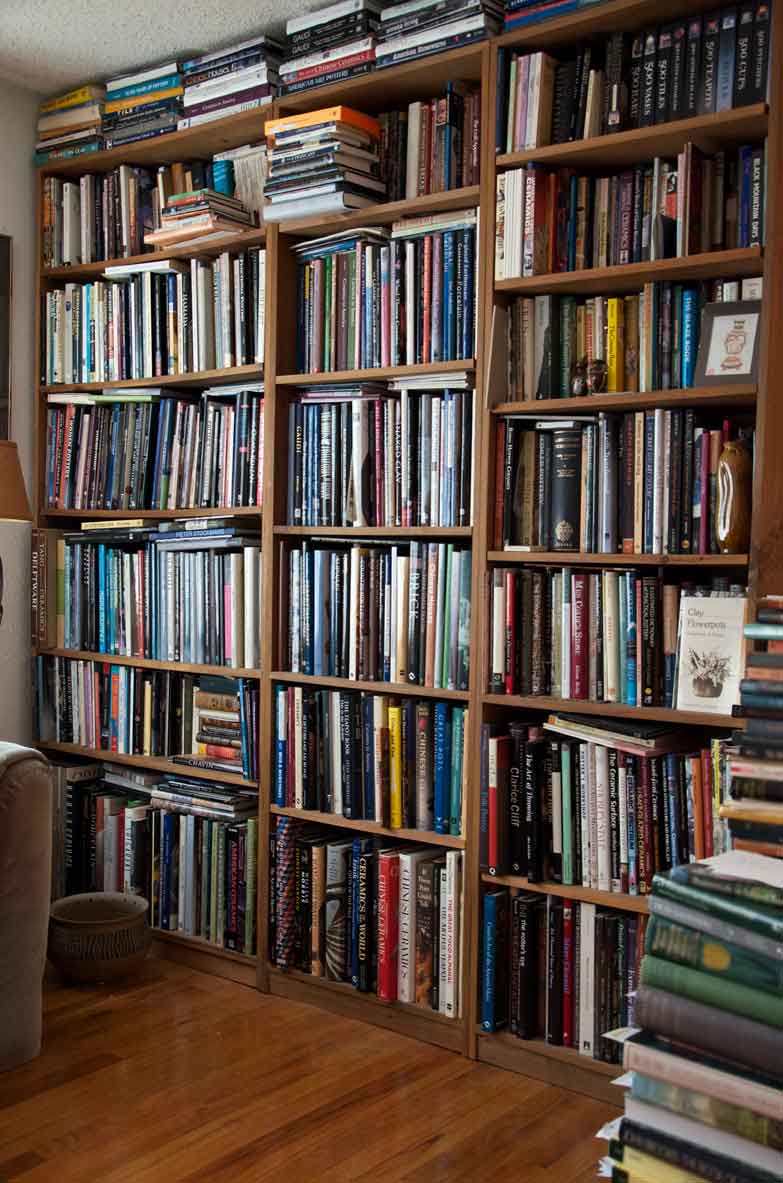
{"x":442,"y":937}
{"x":453,"y":894}
{"x":601,"y":755}
{"x":298,"y":781}
{"x":586,"y":978}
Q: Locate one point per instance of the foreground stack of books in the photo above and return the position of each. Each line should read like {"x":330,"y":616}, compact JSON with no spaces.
{"x":413,"y":31}
{"x":70,"y":124}
{"x":322,"y":162}
{"x":385,"y":918}
{"x":189,"y":847}
{"x":330,"y":45}
{"x":142,"y":105}
{"x":704,"y":1076}
{"x":228,"y":81}
{"x":199,"y":217}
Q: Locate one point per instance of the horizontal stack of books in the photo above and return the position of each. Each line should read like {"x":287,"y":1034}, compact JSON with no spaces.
{"x":519,"y":13}
{"x":703,"y":1071}
{"x":584,"y":803}
{"x":70,"y":125}
{"x":408,"y":32}
{"x":142,"y":105}
{"x":228,"y":81}
{"x":397,"y":762}
{"x":199,"y":216}
{"x":378,"y":613}
{"x":557,"y":969}
{"x":432,"y":145}
{"x":325,"y":161}
{"x":330,"y":45}
{"x":551,"y":221}
{"x":384,"y":918}
{"x":206,"y":722}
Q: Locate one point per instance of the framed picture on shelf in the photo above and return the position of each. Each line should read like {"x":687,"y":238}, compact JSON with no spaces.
{"x":729,"y":344}
{"x":710,"y":653}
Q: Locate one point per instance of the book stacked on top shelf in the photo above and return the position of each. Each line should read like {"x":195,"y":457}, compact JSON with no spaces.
{"x":229,"y":81}
{"x":329,"y":45}
{"x":322,"y":162}
{"x":694,"y":66}
{"x":397,"y":762}
{"x":558,"y":969}
{"x":413,"y":31}
{"x":557,"y":220}
{"x":384,"y":918}
{"x":703,"y":1062}
{"x":199,"y":216}
{"x":432,"y":146}
{"x":70,"y":124}
{"x":519,"y":13}
{"x":142,"y":105}
{"x":204,"y":721}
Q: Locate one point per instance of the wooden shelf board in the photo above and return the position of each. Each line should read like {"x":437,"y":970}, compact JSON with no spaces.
{"x":154,"y":515}
{"x":196,"y":143}
{"x":607,"y":899}
{"x":180,"y":938}
{"x":357,"y":532}
{"x":392,"y":688}
{"x":577,"y":559}
{"x":734,"y":394}
{"x":200,"y":378}
{"x":205,"y":958}
{"x":559,"y":1066}
{"x":340,"y":997}
{"x":378,"y":374}
{"x":237,"y":242}
{"x":426,"y":837}
{"x":384,"y":213}
{"x":625,"y":278}
{"x":597,"y":19}
{"x":624,"y":148}
{"x":613,"y":709}
{"x":146,"y":663}
{"x":151,"y":763}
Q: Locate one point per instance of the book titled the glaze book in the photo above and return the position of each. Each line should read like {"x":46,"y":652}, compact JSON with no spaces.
{"x":710,"y":652}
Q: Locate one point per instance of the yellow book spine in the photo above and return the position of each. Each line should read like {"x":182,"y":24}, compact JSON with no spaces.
{"x":643,"y":1168}
{"x":84,"y":94}
{"x":615,"y":353}
{"x":325,"y":115}
{"x":142,"y":100}
{"x":395,"y":768}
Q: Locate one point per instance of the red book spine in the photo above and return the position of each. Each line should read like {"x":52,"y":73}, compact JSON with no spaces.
{"x":388,"y":926}
{"x":568,"y":973}
{"x":510,"y":643}
{"x":706,"y":788}
{"x":704,"y":496}
{"x":500,"y":454}
{"x":579,"y":639}
{"x":378,"y":461}
{"x":639,"y":645}
{"x":427,"y":303}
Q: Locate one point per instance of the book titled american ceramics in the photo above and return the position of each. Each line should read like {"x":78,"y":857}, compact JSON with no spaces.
{"x":710,"y":653}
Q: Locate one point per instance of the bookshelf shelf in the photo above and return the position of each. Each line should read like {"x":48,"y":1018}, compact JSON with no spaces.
{"x":733,"y":395}
{"x":379,"y":374}
{"x":426,"y":837}
{"x":600,"y":280}
{"x":594,"y":20}
{"x":393,"y":688}
{"x":578,"y":559}
{"x":147,"y":663}
{"x":357,"y":532}
{"x":125,"y":515}
{"x":561,"y":1066}
{"x":708,"y":132}
{"x":608,"y":899}
{"x":615,"y":710}
{"x":385,"y":213}
{"x":200,"y":378}
{"x":206,"y":958}
{"x":151,"y":763}
{"x":233,"y":242}
{"x":180,"y":938}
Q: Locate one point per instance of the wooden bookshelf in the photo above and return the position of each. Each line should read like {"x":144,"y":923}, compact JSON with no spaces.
{"x":152,"y":515}
{"x":730,"y":395}
{"x":385,"y":213}
{"x":616,"y":710}
{"x":205,"y":957}
{"x":589,"y":895}
{"x":148,"y":763}
{"x":560,"y":1066}
{"x":356,"y":532}
{"x":147,"y":663}
{"x":426,"y":837}
{"x":559,"y":558}
{"x":378,"y":374}
{"x":234,"y":242}
{"x":198,"y":379}
{"x":408,"y":690}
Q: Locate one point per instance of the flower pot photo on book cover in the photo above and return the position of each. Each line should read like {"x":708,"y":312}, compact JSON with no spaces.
{"x":708,"y":673}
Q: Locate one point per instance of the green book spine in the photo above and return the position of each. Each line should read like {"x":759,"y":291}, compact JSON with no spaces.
{"x":767,"y":921}
{"x":457,"y":758}
{"x":566,"y":791}
{"x":702,"y":987}
{"x":711,"y":1111}
{"x":687,"y":946}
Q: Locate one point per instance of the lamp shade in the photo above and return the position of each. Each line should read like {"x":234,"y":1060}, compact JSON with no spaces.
{"x":14,"y":505}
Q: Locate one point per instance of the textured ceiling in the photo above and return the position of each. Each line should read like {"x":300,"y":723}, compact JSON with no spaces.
{"x":47,"y":45}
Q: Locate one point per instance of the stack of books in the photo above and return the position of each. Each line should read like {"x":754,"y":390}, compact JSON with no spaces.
{"x":322,"y":162}
{"x":142,"y":105}
{"x":520,"y":13}
{"x":70,"y":125}
{"x":228,"y":81}
{"x":248,"y":166}
{"x":330,"y":45}
{"x":703,"y":1071}
{"x":199,"y":214}
{"x":413,"y":31}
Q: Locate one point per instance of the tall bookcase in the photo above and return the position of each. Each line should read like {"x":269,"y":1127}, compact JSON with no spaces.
{"x":762,"y":568}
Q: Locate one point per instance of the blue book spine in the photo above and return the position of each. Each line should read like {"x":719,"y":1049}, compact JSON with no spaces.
{"x":622,"y":635}
{"x":630,"y":639}
{"x":468,"y":294}
{"x":281,"y":744}
{"x":534,"y":16}
{"x":360,"y":845}
{"x":114,"y":436}
{"x":671,"y":801}
{"x":102,"y":599}
{"x":441,"y":754}
{"x":167,"y":82}
{"x":368,"y":756}
{"x":112,"y":591}
{"x":243,"y":728}
{"x":168,"y":819}
{"x":689,"y":342}
{"x":447,"y":314}
{"x":115,"y":733}
{"x":743,"y":229}
{"x":633,"y":850}
{"x":488,"y":963}
{"x":171,"y":306}
{"x":457,"y":761}
{"x":649,"y":491}
{"x":67,"y":603}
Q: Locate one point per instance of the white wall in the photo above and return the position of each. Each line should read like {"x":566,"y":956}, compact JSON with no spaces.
{"x":17,"y":217}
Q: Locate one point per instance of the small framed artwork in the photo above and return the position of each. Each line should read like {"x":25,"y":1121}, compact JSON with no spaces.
{"x":729,"y":345}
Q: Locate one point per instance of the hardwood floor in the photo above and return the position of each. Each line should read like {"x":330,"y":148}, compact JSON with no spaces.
{"x":183,"y":1078}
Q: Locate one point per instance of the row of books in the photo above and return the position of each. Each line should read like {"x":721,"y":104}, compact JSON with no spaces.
{"x":562,"y":346}
{"x":397,"y":762}
{"x":228,"y":81}
{"x":204,"y":721}
{"x":142,"y":105}
{"x":520,"y":13}
{"x":153,"y":319}
{"x":166,"y":594}
{"x":595,"y":636}
{"x":382,"y":455}
{"x":639,"y":482}
{"x":585,"y":803}
{"x":558,"y":220}
{"x":558,"y":969}
{"x":377,"y":613}
{"x":432,"y":146}
{"x":140,"y":449}
{"x":367,"y":298}
{"x":385,"y":918}
{"x":702,"y":1066}
{"x":694,"y":66}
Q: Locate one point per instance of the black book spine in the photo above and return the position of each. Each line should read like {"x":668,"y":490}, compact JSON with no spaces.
{"x":647,"y":98}
{"x":760,"y":58}
{"x":366,"y":891}
{"x":532,"y":810}
{"x":635,"y":83}
{"x":663,"y":75}
{"x":708,"y":89}
{"x":693,"y":56}
{"x":517,"y":845}
{"x":564,"y":498}
{"x":525,"y":969}
{"x":554,"y":1025}
{"x":757,"y":197}
{"x":677,"y":71}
